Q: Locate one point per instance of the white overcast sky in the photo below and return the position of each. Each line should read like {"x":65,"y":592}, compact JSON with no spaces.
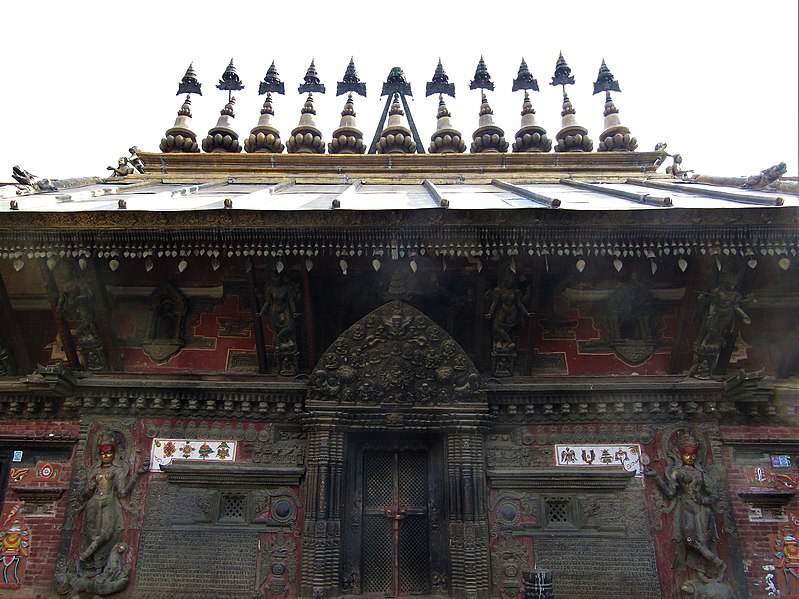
{"x":83,"y":81}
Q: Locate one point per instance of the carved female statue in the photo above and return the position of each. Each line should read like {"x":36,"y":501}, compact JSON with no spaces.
{"x":106,"y":488}
{"x":281,"y":296}
{"x":506,"y":311}
{"x":695,"y":529}
{"x":718,"y":326}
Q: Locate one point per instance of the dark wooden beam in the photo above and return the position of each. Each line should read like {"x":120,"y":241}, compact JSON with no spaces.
{"x":62,"y":326}
{"x":697,"y":275}
{"x":257,"y":323}
{"x":12,"y":332}
{"x":310,"y":336}
{"x":481,"y":359}
{"x":102,"y":313}
{"x":534,"y":307}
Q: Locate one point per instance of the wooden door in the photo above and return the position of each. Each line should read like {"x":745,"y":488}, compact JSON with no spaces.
{"x":393,"y":523}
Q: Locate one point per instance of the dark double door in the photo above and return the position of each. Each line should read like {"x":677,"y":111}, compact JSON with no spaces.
{"x":393,"y":525}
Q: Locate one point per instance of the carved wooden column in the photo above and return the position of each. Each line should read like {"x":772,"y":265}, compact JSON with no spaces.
{"x":322,"y":537}
{"x":468,"y":517}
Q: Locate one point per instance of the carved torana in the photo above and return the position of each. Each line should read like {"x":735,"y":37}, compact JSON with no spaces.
{"x":395,"y":355}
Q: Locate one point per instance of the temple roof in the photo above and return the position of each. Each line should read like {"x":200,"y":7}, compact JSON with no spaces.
{"x":269,"y":182}
{"x":544,"y":200}
{"x":205,"y":193}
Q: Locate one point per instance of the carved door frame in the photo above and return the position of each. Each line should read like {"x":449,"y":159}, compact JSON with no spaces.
{"x":396,"y":372}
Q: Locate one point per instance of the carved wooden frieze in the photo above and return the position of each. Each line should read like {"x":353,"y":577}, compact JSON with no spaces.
{"x":395,"y":356}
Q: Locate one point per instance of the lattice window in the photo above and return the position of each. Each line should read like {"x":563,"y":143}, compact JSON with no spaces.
{"x":233,"y":507}
{"x":558,"y":510}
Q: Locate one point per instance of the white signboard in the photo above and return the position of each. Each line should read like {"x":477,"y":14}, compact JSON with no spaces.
{"x":165,"y":451}
{"x":627,"y":456}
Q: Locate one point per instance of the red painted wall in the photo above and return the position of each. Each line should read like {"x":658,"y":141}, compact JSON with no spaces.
{"x":209,"y":342}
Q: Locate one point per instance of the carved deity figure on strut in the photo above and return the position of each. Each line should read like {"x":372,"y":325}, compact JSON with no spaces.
{"x":281,"y":298}
{"x":506,"y":313}
{"x":695,"y":504}
{"x":104,"y":500}
{"x":76,"y":304}
{"x":721,"y":314}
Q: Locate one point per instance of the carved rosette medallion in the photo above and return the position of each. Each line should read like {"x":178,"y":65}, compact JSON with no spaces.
{"x":394,"y":356}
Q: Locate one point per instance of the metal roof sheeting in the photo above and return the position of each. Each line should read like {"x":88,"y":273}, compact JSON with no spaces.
{"x":211,"y":195}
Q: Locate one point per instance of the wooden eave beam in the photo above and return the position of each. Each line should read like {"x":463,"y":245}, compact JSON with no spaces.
{"x":348,"y":193}
{"x":639,"y":198}
{"x":527,"y":194}
{"x":741,"y":198}
{"x":435,"y":193}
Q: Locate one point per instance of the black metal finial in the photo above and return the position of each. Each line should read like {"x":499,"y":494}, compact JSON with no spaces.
{"x":230,"y":81}
{"x":605,"y":82}
{"x":271,"y":82}
{"x":189,"y":83}
{"x":396,"y":83}
{"x":312,"y":82}
{"x":440,"y":83}
{"x":563,"y":74}
{"x":482,"y":80}
{"x":524,"y":79}
{"x":396,"y":87}
{"x":351,"y":82}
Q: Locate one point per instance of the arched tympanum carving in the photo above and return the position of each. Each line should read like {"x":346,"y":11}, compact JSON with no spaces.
{"x":395,"y":356}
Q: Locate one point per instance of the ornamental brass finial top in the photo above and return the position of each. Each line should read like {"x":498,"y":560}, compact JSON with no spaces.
{"x":527,"y":106}
{"x":563,"y":74}
{"x":228,"y":109}
{"x":271,"y":82}
{"x":396,"y":83}
{"x":524,"y":80}
{"x":349,"y":107}
{"x":605,"y":82}
{"x":312,"y":82}
{"x":482,"y":80}
{"x":442,"y":108}
{"x":440,"y":83}
{"x":185,"y":110}
{"x":485,"y":107}
{"x":189,"y":83}
{"x":308,"y":108}
{"x":395,"y":106}
{"x":230,"y":81}
{"x":351,"y":82}
{"x":267,"y":107}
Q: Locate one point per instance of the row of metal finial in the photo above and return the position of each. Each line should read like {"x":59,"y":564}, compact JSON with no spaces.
{"x":396,"y":82}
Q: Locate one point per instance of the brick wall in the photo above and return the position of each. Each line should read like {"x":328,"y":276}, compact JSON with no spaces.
{"x":764,"y":499}
{"x":39,"y":438}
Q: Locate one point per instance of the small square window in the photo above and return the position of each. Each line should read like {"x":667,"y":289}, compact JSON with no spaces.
{"x":558,"y":511}
{"x":233,"y":507}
